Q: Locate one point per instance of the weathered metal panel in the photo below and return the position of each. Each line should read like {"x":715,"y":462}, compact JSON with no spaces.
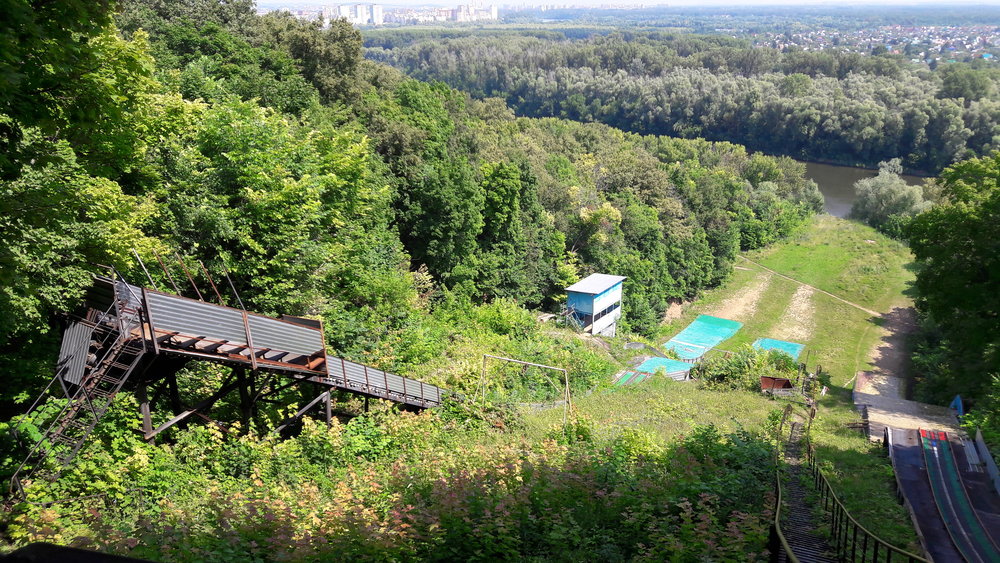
{"x":285,"y":336}
{"x":991,"y":465}
{"x":195,"y":318}
{"x":396,"y":384}
{"x":382,"y":382}
{"x":129,"y":295}
{"x":73,"y":352}
{"x":310,"y":323}
{"x":355,"y":373}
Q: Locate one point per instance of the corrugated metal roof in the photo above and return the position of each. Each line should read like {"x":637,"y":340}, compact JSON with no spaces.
{"x":287,"y":339}
{"x":74,"y":350}
{"x":595,"y":284}
{"x":171,"y":313}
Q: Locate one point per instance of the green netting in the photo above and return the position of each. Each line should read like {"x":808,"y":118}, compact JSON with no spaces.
{"x":626,"y":378}
{"x":703,"y":334}
{"x":668,"y":365}
{"x":793,"y":349}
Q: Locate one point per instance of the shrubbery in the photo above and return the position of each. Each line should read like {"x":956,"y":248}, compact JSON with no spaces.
{"x":743,"y":368}
{"x":886,"y":201}
{"x":416,"y":491}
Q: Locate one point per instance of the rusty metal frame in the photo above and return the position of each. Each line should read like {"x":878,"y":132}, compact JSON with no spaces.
{"x":205,"y":404}
{"x":566,"y":391}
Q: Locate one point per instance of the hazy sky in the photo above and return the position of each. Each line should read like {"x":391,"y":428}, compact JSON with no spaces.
{"x":675,"y":3}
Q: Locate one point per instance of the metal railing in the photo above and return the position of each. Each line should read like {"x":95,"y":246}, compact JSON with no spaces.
{"x":851,"y":541}
{"x":777,"y":544}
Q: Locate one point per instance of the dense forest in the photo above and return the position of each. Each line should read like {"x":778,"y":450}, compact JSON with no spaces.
{"x":421,"y":225}
{"x":957,"y":253}
{"x":426,"y":225}
{"x":325,"y":181}
{"x":816,"y":105}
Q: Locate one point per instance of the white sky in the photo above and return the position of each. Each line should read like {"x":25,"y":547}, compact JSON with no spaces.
{"x":676,"y":3}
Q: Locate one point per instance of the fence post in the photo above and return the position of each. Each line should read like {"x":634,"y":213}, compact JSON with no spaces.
{"x":854,"y":541}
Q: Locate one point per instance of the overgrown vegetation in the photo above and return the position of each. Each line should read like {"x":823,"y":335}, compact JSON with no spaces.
{"x":744,"y":368}
{"x":818,"y":104}
{"x":419,"y":225}
{"x":956,"y":246}
{"x":396,"y":486}
{"x":886,"y":201}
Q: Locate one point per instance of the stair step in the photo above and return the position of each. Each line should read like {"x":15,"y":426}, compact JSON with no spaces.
{"x":800,"y":525}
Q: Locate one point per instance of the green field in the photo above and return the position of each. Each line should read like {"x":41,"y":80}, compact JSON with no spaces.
{"x":661,"y":406}
{"x":859,"y":265}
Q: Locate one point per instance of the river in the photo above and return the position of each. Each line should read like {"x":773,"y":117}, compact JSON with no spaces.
{"x":837,"y":184}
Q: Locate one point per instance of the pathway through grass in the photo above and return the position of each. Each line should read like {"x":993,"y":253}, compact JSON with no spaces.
{"x":865,"y":272}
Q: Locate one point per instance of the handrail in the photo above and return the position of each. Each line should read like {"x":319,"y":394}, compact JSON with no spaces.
{"x":777,"y":540}
{"x":848,"y":532}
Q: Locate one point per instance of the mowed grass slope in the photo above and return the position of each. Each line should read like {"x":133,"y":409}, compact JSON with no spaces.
{"x":847,"y":259}
{"x":660,"y":406}
{"x":859,"y":265}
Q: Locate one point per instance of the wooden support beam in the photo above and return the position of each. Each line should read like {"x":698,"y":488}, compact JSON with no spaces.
{"x":165,"y":337}
{"x":190,"y":342}
{"x":214,"y":347}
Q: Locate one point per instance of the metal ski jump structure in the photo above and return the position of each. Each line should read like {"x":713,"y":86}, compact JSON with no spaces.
{"x":136,"y":337}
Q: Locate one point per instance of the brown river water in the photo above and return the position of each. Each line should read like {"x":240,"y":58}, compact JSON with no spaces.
{"x":837,"y":184}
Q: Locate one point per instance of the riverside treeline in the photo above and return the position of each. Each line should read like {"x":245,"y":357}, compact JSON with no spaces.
{"x":822,"y":105}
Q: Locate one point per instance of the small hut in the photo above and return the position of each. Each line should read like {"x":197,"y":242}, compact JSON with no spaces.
{"x":596,"y":303}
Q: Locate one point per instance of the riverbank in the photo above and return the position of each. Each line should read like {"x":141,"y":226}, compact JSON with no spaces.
{"x":836,"y":183}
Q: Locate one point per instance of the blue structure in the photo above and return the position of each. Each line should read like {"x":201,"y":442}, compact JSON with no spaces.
{"x":675,"y":369}
{"x":793,"y":349}
{"x":703,"y":334}
{"x":596,"y":303}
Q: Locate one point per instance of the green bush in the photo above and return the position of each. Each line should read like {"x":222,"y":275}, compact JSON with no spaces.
{"x":743,"y":368}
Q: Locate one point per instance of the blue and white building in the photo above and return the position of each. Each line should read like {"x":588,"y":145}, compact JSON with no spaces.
{"x":596,"y":303}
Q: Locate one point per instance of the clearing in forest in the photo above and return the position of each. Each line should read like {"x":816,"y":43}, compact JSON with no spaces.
{"x":856,"y":264}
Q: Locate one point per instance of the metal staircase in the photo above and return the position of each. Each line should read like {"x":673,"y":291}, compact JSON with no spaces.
{"x":110,"y":348}
{"x":126,"y":327}
{"x":801,"y":527}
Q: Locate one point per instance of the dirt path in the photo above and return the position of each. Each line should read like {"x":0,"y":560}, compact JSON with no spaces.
{"x":855,"y":305}
{"x":674,"y":311}
{"x":883,"y":390}
{"x":796,"y":323}
{"x":743,"y":305}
